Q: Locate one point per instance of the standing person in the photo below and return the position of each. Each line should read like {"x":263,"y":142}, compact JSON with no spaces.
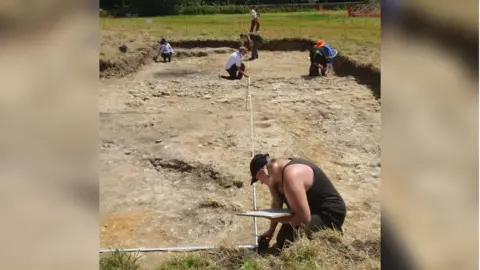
{"x":165,"y":50}
{"x":254,"y":40}
{"x":234,"y":65}
{"x":307,"y":192}
{"x":321,"y":57}
{"x":254,"y":23}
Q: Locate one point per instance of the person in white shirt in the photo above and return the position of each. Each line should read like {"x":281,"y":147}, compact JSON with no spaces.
{"x":255,"y":24}
{"x":234,"y":65}
{"x":165,"y":50}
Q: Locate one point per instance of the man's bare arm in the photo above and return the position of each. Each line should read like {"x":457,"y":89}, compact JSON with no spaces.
{"x":277,"y":203}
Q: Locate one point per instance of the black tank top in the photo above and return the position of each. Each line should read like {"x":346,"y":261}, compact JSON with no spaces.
{"x":322,"y":196}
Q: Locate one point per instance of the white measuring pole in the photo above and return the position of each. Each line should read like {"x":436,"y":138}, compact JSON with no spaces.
{"x":254,"y":197}
{"x":168,"y":249}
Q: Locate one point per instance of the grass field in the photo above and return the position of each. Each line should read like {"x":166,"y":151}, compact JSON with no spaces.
{"x":358,"y":38}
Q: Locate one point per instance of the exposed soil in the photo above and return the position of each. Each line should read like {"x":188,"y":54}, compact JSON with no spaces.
{"x":175,"y":148}
{"x":344,"y":65}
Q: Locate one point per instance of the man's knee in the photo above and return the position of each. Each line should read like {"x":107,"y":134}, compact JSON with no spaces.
{"x":285,"y":236}
{"x":232,"y":72}
{"x":326,"y":221}
{"x":314,"y":71}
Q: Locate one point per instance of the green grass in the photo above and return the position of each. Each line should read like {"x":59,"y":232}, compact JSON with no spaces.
{"x":356,"y":37}
{"x":188,"y":262}
{"x":333,"y":26}
{"x":327,"y":251}
{"x":120,"y":261}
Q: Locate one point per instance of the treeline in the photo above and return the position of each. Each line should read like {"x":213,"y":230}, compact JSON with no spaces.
{"x":192,"y":7}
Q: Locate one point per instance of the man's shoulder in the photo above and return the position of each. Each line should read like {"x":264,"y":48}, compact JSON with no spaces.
{"x":232,"y":57}
{"x":236,"y":56}
{"x":319,"y":50}
{"x":291,"y":171}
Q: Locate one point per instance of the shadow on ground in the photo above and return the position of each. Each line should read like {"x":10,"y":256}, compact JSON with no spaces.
{"x":179,"y":73}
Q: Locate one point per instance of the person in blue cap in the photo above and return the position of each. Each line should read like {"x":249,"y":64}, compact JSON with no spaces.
{"x":306,"y":190}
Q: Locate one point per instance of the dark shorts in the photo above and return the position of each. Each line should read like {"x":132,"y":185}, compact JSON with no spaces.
{"x":165,"y":55}
{"x":316,"y":71}
{"x":234,"y":72}
{"x":322,"y":221}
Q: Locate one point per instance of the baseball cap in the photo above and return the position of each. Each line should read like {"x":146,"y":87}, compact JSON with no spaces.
{"x":320,"y":43}
{"x":256,"y":164}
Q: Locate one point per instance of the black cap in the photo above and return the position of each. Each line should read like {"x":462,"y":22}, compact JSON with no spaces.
{"x":257,"y":163}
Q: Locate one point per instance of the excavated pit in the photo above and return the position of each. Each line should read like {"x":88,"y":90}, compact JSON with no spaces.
{"x":368,"y":75}
{"x":175,"y":149}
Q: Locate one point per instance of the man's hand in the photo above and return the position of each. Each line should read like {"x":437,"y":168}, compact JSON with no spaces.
{"x":244,"y":74}
{"x":266,"y":237}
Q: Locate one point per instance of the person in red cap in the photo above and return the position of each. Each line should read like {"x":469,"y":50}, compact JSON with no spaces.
{"x":321,"y":59}
{"x":307,"y":192}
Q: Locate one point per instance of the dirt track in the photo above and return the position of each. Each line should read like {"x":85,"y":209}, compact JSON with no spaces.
{"x":175,"y":148}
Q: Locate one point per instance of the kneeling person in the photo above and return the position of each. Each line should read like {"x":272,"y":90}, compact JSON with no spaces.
{"x":165,"y":51}
{"x":234,"y":66}
{"x":321,"y":57}
{"x":318,"y":62}
{"x":306,"y":190}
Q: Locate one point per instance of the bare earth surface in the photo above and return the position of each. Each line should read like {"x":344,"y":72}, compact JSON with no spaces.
{"x":175,"y":148}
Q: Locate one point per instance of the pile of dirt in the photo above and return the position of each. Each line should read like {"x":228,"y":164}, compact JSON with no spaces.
{"x":126,"y":65}
{"x":180,"y":53}
{"x":284,"y":44}
{"x":123,"y":66}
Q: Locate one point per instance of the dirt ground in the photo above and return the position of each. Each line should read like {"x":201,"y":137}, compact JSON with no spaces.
{"x":175,"y":148}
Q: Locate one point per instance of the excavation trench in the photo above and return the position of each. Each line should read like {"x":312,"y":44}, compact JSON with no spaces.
{"x":368,"y":75}
{"x":176,"y":142}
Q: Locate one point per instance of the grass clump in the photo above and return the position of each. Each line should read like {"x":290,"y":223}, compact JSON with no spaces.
{"x":120,"y":261}
{"x":188,"y":262}
{"x":326,"y":250}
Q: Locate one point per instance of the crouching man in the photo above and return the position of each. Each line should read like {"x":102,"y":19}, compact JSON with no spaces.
{"x":321,"y":59}
{"x":234,"y":65}
{"x":165,"y":51}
